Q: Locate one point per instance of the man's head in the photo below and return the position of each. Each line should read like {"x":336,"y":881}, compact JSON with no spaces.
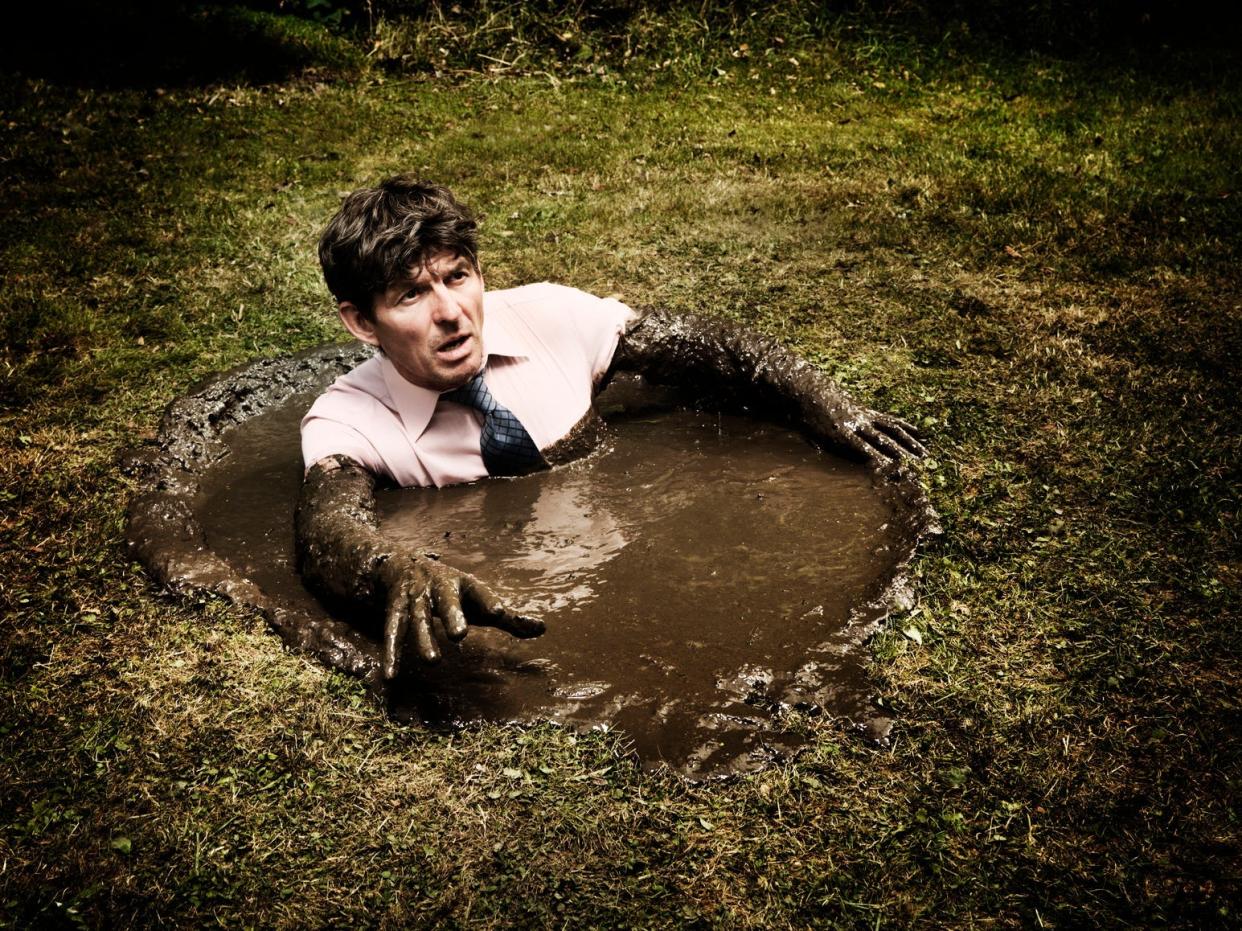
{"x":381,"y":233}
{"x":402,"y":261}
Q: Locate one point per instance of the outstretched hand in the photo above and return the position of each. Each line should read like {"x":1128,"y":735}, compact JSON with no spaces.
{"x":881,"y":438}
{"x":418,"y":588}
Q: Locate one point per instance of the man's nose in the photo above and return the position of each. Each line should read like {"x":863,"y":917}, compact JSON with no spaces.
{"x":444,"y":307}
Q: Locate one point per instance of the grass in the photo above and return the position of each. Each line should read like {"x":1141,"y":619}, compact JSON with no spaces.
{"x":1034,"y":258}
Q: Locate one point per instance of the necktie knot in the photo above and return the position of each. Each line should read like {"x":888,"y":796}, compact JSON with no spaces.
{"x":474,"y":394}
{"x":506,"y":446}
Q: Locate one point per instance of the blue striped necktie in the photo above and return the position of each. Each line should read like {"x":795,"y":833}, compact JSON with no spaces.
{"x":507,"y":447}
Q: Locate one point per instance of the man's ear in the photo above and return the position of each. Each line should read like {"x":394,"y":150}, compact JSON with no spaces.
{"x":357,"y":323}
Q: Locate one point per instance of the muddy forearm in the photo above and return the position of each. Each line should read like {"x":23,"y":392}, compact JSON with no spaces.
{"x":340,"y":550}
{"x":732,"y":366}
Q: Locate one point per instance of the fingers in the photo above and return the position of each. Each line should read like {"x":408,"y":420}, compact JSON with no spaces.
{"x":447,"y":596}
{"x":887,"y":438}
{"x":424,"y":639}
{"x":892,"y":421}
{"x":395,"y":625}
{"x":418,"y":594}
{"x":903,"y":434}
{"x":405,"y":612}
{"x":489,"y":611}
{"x":882,"y":442}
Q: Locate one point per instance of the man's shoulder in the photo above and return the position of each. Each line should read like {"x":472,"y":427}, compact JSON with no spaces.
{"x":363,"y":386}
{"x":541,"y":295}
{"x":547,"y":304}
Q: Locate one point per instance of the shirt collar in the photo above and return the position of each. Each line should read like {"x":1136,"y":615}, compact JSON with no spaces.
{"x":416,"y":405}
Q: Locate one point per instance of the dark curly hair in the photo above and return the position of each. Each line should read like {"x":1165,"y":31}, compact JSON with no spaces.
{"x":380,"y":234}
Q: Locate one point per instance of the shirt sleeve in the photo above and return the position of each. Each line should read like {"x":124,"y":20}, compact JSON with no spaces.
{"x":322,"y":437}
{"x":601,"y":321}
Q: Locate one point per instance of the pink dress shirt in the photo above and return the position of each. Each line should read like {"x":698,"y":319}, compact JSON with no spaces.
{"x":545,"y":348}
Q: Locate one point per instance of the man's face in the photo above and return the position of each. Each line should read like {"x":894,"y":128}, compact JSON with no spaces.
{"x":430,"y":325}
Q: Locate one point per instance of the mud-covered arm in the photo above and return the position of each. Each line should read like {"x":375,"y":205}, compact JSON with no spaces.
{"x":731,"y":365}
{"x":341,"y":553}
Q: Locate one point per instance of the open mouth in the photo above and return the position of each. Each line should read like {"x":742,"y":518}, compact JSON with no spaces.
{"x":454,"y":346}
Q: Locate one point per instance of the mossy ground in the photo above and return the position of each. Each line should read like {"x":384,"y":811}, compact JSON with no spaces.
{"x":1034,"y":259}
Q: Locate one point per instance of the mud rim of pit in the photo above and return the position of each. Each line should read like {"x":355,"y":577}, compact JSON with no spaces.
{"x":165,"y":536}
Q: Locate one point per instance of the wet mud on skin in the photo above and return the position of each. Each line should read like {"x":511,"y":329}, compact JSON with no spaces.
{"x":699,"y":572}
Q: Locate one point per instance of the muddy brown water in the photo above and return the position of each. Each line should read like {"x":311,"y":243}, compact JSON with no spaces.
{"x":700,"y":575}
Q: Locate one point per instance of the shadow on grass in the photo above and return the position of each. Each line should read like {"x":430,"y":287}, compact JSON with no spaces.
{"x":145,"y":43}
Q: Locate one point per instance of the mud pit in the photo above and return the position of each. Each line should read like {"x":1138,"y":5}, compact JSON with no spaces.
{"x":700,"y":574}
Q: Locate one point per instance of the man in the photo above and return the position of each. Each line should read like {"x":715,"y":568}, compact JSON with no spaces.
{"x":468,"y":384}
